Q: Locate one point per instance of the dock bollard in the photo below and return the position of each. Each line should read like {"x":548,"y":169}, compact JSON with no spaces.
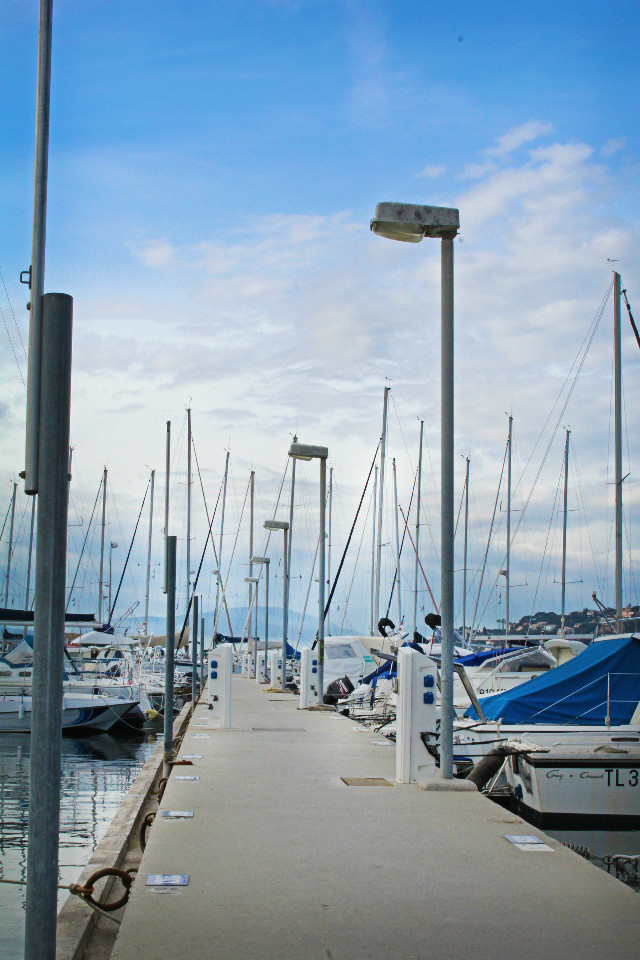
{"x":275,"y":667}
{"x":416,"y":714}
{"x":220,"y":669}
{"x":261,"y":667}
{"x":308,"y":678}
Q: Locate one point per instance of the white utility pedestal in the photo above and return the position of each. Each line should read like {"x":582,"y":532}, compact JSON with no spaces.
{"x":308,"y":678}
{"x":219,"y":672}
{"x":275,"y":667}
{"x":261,"y":667}
{"x":416,"y":714}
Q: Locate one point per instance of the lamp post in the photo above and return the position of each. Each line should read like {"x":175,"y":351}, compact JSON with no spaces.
{"x":304,"y":451}
{"x":284,"y":526}
{"x":254,"y":581}
{"x":411,"y":223}
{"x":265,"y":561}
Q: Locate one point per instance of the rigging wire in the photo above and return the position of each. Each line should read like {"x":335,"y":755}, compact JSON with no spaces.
{"x":484,"y":562}
{"x":73,"y":583}
{"x":113,"y":606}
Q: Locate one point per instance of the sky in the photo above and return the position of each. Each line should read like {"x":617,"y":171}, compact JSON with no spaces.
{"x":213,"y":169}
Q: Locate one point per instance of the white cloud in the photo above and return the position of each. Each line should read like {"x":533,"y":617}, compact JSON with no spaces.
{"x":612,"y":146}
{"x":156,"y":253}
{"x":432,"y":171}
{"x":525,"y":133}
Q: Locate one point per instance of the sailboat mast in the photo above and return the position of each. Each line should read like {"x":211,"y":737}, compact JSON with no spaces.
{"x":13,"y":515}
{"x":224,"y":503}
{"x":33,"y":519}
{"x":188,"y":508}
{"x":617,"y":355}
{"x":383,"y":443}
{"x":564,"y":534}
{"x":146,"y":596}
{"x":250,"y":633}
{"x":417,"y":543}
{"x":373,"y":550}
{"x":104,"y":514}
{"x":167,"y":476}
{"x":397,"y":539}
{"x":464,"y":564}
{"x":328,"y":617}
{"x":508,"y":569}
{"x":289,"y":539}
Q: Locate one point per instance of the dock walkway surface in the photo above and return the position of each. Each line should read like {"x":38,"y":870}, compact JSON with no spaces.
{"x":287,"y":861}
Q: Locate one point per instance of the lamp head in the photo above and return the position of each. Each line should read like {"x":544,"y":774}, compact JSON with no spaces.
{"x":276,"y":525}
{"x":306,"y":451}
{"x":410,"y":222}
{"x":251,"y":580}
{"x":260,"y":559}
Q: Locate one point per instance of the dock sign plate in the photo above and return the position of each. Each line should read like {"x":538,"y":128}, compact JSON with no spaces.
{"x":177,"y":814}
{"x":187,"y":778}
{"x":528,"y":843}
{"x":167,"y":879}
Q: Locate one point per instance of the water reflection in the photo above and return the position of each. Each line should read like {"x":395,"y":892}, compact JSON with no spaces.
{"x":97,"y":771}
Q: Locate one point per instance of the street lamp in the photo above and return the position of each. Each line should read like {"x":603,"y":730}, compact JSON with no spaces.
{"x":304,"y":451}
{"x":254,"y":580}
{"x":284,"y":526}
{"x":265,"y":561}
{"x":402,"y":221}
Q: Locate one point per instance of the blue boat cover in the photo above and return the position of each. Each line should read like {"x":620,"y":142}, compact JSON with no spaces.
{"x":603,"y":680}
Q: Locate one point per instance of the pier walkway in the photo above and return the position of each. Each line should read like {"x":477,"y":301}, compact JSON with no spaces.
{"x":285,"y":860}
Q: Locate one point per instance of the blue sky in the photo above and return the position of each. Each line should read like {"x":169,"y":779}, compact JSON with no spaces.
{"x":213,"y":168}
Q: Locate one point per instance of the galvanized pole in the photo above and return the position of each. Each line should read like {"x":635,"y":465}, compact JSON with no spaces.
{"x":146,"y":595}
{"x":564,"y":533}
{"x":447,"y":511}
{"x":266,"y":625}
{"x":201,"y":652}
{"x":169,"y":660}
{"x":285,"y":605}
{"x":288,"y":565}
{"x":33,"y":517}
{"x":397,"y":539}
{"x":508,"y":574}
{"x":167,"y":475}
{"x":321,"y":574}
{"x":13,"y":514}
{"x":104,"y":512}
{"x":188,"y":509}
{"x":464,"y":565}
{"x":224,"y":503}
{"x":328,"y":581}
{"x":250,"y":634}
{"x":417,"y":545}
{"x":194,"y":654}
{"x":617,"y":356}
{"x":51,"y":552}
{"x":383,"y":444}
{"x":38,"y":238}
{"x":373,"y":552}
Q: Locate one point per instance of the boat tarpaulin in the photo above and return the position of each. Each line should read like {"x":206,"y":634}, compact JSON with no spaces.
{"x":602,"y":681}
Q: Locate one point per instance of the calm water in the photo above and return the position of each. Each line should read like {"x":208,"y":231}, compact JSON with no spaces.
{"x":97,"y":771}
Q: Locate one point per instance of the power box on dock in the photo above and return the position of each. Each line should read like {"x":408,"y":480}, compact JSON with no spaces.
{"x":219,"y":672}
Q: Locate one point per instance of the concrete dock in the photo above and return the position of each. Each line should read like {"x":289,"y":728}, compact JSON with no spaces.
{"x":285,"y":860}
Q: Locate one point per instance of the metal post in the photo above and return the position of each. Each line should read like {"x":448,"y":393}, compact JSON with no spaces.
{"x":508,"y":574}
{"x":383,"y":443}
{"x":33,"y":517}
{"x":617,"y":356}
{"x":285,"y":605}
{"x":38,"y":238}
{"x":328,"y":581}
{"x":46,"y":713}
{"x":188,"y":509}
{"x":169,"y":660}
{"x":249,"y":634}
{"x":397,"y":539}
{"x":466,"y":541}
{"x":564,"y":533}
{"x":417,"y":544}
{"x":194,"y":654}
{"x":104,"y":511}
{"x":201,"y":652}
{"x":266,"y":624}
{"x":224,"y":504}
{"x":447,"y":510}
{"x":373,"y":552}
{"x":167,"y":475}
{"x":323,"y":497}
{"x":146,"y":595}
{"x":288,"y":563}
{"x":13,"y":514}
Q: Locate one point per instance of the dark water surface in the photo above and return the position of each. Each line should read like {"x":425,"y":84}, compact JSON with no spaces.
{"x":97,"y":772}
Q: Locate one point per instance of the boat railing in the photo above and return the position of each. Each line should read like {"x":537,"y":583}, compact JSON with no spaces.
{"x":507,"y":660}
{"x":607,"y":701}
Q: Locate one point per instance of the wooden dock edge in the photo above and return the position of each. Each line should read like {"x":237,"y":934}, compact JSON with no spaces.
{"x":77,"y":920}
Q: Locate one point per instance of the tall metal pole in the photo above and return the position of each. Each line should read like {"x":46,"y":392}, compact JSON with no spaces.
{"x":447,"y":511}
{"x":564,"y":533}
{"x":466,"y":541}
{"x":169,"y":660}
{"x":13,"y":514}
{"x":201,"y":651}
{"x":146,"y":595}
{"x":250,"y":633}
{"x":321,"y":575}
{"x":397,"y":539}
{"x":373,"y":553}
{"x":417,"y":544}
{"x":104,"y":513}
{"x":33,"y":517}
{"x":38,"y":239}
{"x":328,"y":581}
{"x":188,"y":508}
{"x":266,"y":625}
{"x":167,"y":477}
{"x":224,"y":503}
{"x":383,"y":443}
{"x":617,"y":354}
{"x":285,"y":605}
{"x":194,"y":653}
{"x":48,"y":652}
{"x":290,"y":541}
{"x":508,"y":574}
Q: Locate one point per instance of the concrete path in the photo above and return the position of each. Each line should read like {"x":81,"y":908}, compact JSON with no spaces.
{"x":287,"y":861}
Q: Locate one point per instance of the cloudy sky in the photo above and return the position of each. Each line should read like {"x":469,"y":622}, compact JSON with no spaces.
{"x":213,"y":170}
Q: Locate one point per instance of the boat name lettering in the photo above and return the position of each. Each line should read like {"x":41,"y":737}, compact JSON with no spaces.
{"x":554,"y":775}
{"x":614,"y":777}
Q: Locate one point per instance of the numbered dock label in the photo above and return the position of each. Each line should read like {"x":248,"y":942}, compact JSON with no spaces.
{"x":177,"y":814}
{"x":167,"y":879}
{"x":187,"y":778}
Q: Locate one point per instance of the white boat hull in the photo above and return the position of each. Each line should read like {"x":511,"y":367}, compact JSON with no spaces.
{"x":79,"y":711}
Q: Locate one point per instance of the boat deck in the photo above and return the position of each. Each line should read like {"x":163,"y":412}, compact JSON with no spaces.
{"x":285,"y":860}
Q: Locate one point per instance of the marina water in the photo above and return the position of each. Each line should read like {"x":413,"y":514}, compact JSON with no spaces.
{"x":97,"y":772}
